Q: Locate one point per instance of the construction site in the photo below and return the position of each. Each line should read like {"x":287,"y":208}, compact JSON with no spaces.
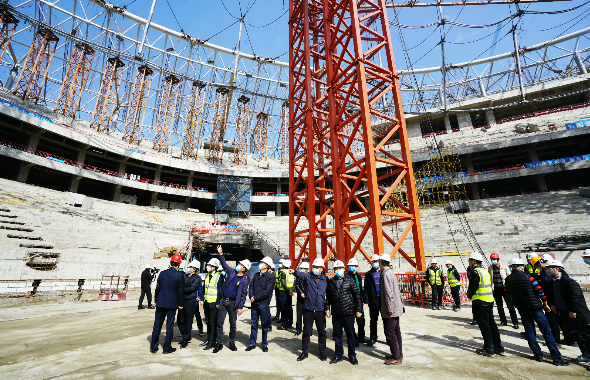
{"x":127,"y":137}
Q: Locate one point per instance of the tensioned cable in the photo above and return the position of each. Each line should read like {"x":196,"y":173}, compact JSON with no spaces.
{"x":249,"y":39}
{"x":270,"y":23}
{"x":227,"y":10}
{"x":173,"y":14}
{"x":424,"y":40}
{"x":479,"y":39}
{"x":560,"y":25}
{"x":223,"y":30}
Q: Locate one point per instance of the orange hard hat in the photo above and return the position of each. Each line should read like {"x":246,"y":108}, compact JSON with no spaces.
{"x":494,"y":256}
{"x":176,"y":259}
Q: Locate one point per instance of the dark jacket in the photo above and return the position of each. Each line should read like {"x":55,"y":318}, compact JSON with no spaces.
{"x":346,"y":300}
{"x":146,"y":278}
{"x":315,"y":296}
{"x":574,"y":298}
{"x":192,"y":285}
{"x":357,"y":279}
{"x":242,"y":284}
{"x":262,"y":287}
{"x":219,"y":293}
{"x":371,"y":296}
{"x":518,"y":285}
{"x":170,"y":289}
{"x":300,"y":289}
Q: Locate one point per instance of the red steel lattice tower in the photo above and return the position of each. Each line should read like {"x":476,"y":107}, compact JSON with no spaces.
{"x":336,"y":80}
{"x":218,"y":126}
{"x":8,"y":24}
{"x":192,"y":135}
{"x":32,"y":78}
{"x":242,"y":129}
{"x":285,"y":133}
{"x":107,"y":94}
{"x":79,"y":68}
{"x":166,"y":113}
{"x":260,"y":136}
{"x":139,"y":96}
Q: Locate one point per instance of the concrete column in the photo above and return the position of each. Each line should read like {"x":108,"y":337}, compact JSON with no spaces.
{"x":187,"y":202}
{"x":158,"y":173}
{"x":23,"y":172}
{"x":81,"y":156}
{"x":490,"y":118}
{"x":189,"y":182}
{"x":33,"y":142}
{"x":469,"y":164}
{"x":448,"y":123}
{"x":464,"y":119}
{"x":117,"y":193}
{"x":279,"y":190}
{"x":74,"y":183}
{"x":475,"y":190}
{"x":533,"y":156}
{"x":541,"y":184}
{"x":154,"y":199}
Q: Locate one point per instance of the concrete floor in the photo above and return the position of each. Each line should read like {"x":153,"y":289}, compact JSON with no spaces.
{"x":107,"y":340}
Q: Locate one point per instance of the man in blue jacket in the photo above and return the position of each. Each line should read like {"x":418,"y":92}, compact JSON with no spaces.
{"x":260,"y":293}
{"x":233,"y":296}
{"x":315,"y":307}
{"x":192,"y":283}
{"x":169,"y":296}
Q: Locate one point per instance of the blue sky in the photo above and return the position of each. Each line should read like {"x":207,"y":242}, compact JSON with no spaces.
{"x":205,"y":18}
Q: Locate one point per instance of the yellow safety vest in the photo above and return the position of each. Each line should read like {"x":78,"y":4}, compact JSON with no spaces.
{"x":289,"y":280}
{"x":484,"y":291}
{"x":435,"y":276}
{"x":531,"y":270}
{"x":211,"y":287}
{"x":452,"y":280}
{"x":278,"y":281}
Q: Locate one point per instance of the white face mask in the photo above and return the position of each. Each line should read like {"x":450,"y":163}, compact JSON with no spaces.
{"x":262,"y":267}
{"x":340,"y":272}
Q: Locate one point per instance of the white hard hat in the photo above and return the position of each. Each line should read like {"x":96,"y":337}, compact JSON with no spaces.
{"x":304,"y":265}
{"x":268,"y":261}
{"x":353,"y":262}
{"x":338,"y":264}
{"x":287,"y":263}
{"x":318,"y":263}
{"x":554,"y":263}
{"x":515,"y":261}
{"x":385,"y":257}
{"x":586,"y":253}
{"x":434,"y":261}
{"x":475,"y":256}
{"x":214,"y":262}
{"x":246,"y":263}
{"x":530,"y":255}
{"x":281,"y":261}
{"x":148,"y":266}
{"x":449,"y":262}
{"x":547,"y":257}
{"x":375,"y":258}
{"x":195,"y":264}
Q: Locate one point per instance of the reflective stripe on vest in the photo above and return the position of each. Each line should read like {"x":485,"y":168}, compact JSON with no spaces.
{"x":484,"y":291}
{"x":278,"y":282}
{"x":435,"y":276}
{"x":452,"y":280}
{"x":289,"y":280}
{"x":531,"y":270}
{"x":211,"y":287}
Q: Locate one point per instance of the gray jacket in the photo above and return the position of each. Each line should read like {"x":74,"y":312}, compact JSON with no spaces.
{"x":391,"y":299}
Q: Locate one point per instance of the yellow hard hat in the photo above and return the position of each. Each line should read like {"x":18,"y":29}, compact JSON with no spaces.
{"x":535,"y":259}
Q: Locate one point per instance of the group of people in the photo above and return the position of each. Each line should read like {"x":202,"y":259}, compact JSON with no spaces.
{"x":225,"y":289}
{"x":540,"y":290}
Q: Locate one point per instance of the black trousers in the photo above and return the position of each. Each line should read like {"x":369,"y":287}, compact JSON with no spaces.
{"x":309,"y":317}
{"x":499,"y":295}
{"x":437,"y":295}
{"x":455,"y":292}
{"x":286,"y":304}
{"x":393,"y":336}
{"x":278,"y":304}
{"x":374,"y":321}
{"x":198,"y":317}
{"x":299,"y":323}
{"x":360,"y":324}
{"x":185,"y":320}
{"x":346,"y":323}
{"x":484,"y":315}
{"x":211,"y":320}
{"x":146,"y":291}
{"x":161,"y":314}
{"x":227,"y":308}
{"x":554,"y":325}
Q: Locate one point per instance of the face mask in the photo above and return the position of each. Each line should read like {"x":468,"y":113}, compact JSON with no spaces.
{"x":340,"y":272}
{"x":223,"y":274}
{"x":375,"y":265}
{"x":352,"y":269}
{"x":494,"y":262}
{"x":238,"y":267}
{"x":587,"y":260}
{"x":510,"y":269}
{"x":315,"y":271}
{"x":262,"y":267}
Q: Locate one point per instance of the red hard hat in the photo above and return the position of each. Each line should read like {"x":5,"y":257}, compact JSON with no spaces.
{"x":494,"y":256}
{"x":176,"y":259}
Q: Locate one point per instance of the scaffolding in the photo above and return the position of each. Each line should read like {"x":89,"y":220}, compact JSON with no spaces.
{"x":440,"y":180}
{"x":34,"y":74}
{"x":166,"y":113}
{"x":260,"y":136}
{"x":79,"y":68}
{"x":242,"y":129}
{"x":285,"y":133}
{"x":139,"y":96}
{"x":218,"y":126}
{"x":107,"y":95}
{"x":190,"y":147}
{"x":8,"y":24}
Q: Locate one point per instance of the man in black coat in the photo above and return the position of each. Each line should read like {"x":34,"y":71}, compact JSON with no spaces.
{"x":147,"y":276}
{"x":300,"y":289}
{"x":169,"y":297}
{"x":372,"y":300}
{"x":353,"y":265}
{"x":260,"y":293}
{"x":192,"y":283}
{"x":344,"y":299}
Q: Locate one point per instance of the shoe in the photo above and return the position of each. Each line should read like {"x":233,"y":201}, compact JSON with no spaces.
{"x":218,"y":347}
{"x":454,"y":307}
{"x":201,"y":333}
{"x":250,"y":348}
{"x":538,"y":358}
{"x":297,"y":333}
{"x":183,"y":344}
{"x":232,"y":346}
{"x":140,"y":307}
{"x":393,"y":361}
{"x":501,"y":353}
{"x":264,"y":348}
{"x":560,"y":362}
{"x":208,"y":347}
{"x":205,"y":343}
{"x":275,"y":318}
{"x":504,"y":324}
{"x":582,"y":359}
{"x":369,"y":342}
{"x":335,"y":360}
{"x":281,"y":328}
{"x":353,"y":361}
{"x":458,"y":309}
{"x":481,"y":351}
{"x":438,"y":308}
{"x":151,"y":307}
{"x":515,"y":326}
{"x":323,"y":356}
{"x":473,"y":323}
{"x":180,"y":335}
{"x":434,"y":308}
{"x":169,"y":352}
{"x":154,"y":351}
{"x":302,"y":357}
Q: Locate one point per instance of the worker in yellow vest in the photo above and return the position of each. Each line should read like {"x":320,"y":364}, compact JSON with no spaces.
{"x":211,"y":299}
{"x":530,"y":268}
{"x":277,"y":317}
{"x":285,"y":285}
{"x":435,"y":279}
{"x":454,"y":280}
{"x":482,"y":297}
